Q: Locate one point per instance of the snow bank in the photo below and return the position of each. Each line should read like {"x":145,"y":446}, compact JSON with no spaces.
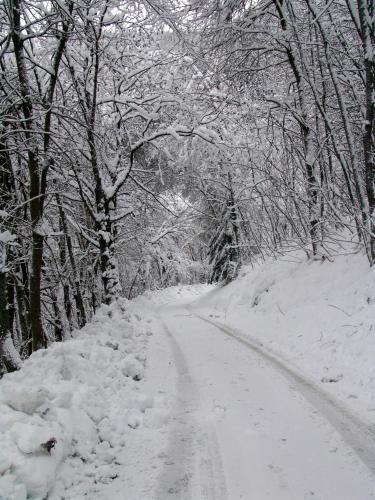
{"x":318,"y":316}
{"x":64,"y":417}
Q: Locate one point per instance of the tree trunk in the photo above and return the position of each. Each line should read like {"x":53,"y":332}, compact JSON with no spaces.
{"x":108,"y":261}
{"x":9,"y":357}
{"x":58,"y":324}
{"x":39,"y":339}
{"x":366,"y":11}
{"x":81,"y":313}
{"x":37,"y":175}
{"x":34,"y":190}
{"x":23,"y":307}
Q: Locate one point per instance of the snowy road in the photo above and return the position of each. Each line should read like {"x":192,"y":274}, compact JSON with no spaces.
{"x":244,"y":427}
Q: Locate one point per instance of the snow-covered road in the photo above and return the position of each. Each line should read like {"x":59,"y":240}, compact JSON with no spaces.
{"x":243,"y":427}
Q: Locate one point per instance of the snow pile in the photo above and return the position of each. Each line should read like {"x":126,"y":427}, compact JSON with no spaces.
{"x":65,"y":417}
{"x":318,"y":316}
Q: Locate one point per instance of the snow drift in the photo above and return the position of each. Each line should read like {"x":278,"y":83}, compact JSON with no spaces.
{"x":64,"y":416}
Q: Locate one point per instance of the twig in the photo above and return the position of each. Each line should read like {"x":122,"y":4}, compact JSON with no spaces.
{"x":342,"y":310}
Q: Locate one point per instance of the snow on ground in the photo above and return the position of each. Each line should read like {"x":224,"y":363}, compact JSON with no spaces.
{"x":172,"y":295}
{"x":74,"y":420}
{"x":317,"y":316}
{"x":242,"y":428}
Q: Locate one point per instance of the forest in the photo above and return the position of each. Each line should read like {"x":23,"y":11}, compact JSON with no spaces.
{"x":149,"y":143}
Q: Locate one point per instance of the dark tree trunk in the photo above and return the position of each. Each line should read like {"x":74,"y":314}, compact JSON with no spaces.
{"x":58,"y":326}
{"x":8,"y":354}
{"x":37,"y":175}
{"x":366,"y":11}
{"x":68,"y":306}
{"x":21,"y":284}
{"x":39,"y":339}
{"x":78,"y":299}
{"x":9,"y":357}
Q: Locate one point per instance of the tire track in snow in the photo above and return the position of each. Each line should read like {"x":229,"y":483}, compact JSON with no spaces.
{"x":359,"y":435}
{"x":187,"y":437}
{"x":212,"y":481}
{"x":175,"y":480}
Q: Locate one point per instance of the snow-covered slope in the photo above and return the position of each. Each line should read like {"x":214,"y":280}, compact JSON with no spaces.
{"x":69,"y":416}
{"x":318,"y":316}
